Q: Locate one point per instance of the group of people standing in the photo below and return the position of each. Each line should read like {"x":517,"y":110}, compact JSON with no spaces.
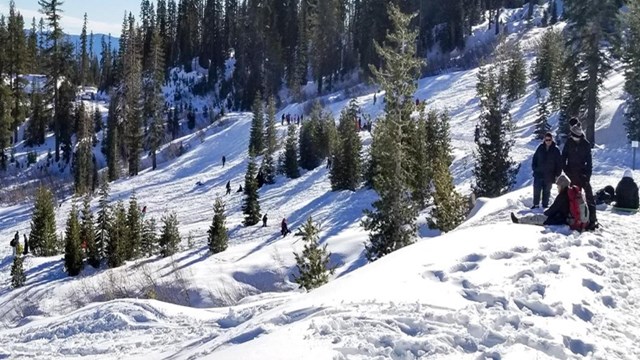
{"x":576,"y":162}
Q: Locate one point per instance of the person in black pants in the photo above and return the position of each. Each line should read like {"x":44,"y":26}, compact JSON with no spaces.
{"x":577,"y":164}
{"x":546,"y":166}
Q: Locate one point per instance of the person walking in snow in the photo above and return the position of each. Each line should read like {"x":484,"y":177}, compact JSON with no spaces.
{"x":577,"y":164}
{"x":25,"y":251}
{"x":284,"y":228}
{"x":556,"y":214}
{"x":627,"y":192}
{"x":224,"y":160}
{"x":264,"y":220}
{"x":546,"y":166}
{"x":14,"y":243}
{"x":228,"y":187}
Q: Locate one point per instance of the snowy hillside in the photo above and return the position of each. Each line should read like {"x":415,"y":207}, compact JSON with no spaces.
{"x":488,"y":290}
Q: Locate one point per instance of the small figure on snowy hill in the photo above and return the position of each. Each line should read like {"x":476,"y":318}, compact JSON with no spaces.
{"x":224,"y":160}
{"x":557,"y":214}
{"x":240,"y":189}
{"x":228,"y":187}
{"x":284,"y":228}
{"x":264,"y":220}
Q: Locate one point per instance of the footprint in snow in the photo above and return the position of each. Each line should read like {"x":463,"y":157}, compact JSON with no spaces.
{"x":609,"y":302}
{"x":594,"y":269}
{"x":592,"y":285}
{"x":582,"y":312}
{"x":474,"y":258}
{"x":596,"y":256}
{"x":503,"y":255}
{"x":521,"y":249}
{"x":465,"y":267}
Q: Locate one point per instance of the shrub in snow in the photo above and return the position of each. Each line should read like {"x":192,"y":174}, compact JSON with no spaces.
{"x":218,"y":235}
{"x":313,"y":263}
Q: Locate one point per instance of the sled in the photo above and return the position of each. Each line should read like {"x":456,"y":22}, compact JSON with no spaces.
{"x":624,"y":210}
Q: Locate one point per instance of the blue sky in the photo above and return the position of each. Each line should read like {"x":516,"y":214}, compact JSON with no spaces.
{"x":104,"y":15}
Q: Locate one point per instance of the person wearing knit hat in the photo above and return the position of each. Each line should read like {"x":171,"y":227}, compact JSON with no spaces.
{"x":627,"y":192}
{"x":578,"y":165}
{"x":556,"y":214}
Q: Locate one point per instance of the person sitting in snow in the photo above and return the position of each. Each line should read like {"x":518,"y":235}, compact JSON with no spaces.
{"x":556,"y":214}
{"x":627,"y":192}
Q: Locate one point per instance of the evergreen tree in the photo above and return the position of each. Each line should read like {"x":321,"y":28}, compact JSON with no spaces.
{"x":149,"y":244}
{"x":572,"y":100}
{"x":346,"y":164}
{"x":291,"y":154}
{"x":391,"y":224}
{"x":18,"y":277}
{"x":115,"y":251}
{"x":17,"y":56}
{"x":218,"y":233}
{"x":550,"y":57}
{"x":72,"y":248}
{"x":37,"y":126}
{"x":103,"y":222}
{"x":5,"y":123}
{"x":212,"y":49}
{"x":83,"y":159}
{"x":313,"y":263}
{"x":494,"y":170}
{"x":88,"y":234}
{"x":57,"y":66}
{"x":423,"y":158}
{"x":631,"y":58}
{"x":591,"y":32}
{"x":97,"y":120}
{"x":449,"y":206}
{"x":84,"y":55}
{"x":554,"y":12}
{"x":134,"y":229}
{"x":316,"y":138}
{"x":42,"y":237}
{"x":270,"y":141}
{"x":112,"y":140}
{"x":516,"y":74}
{"x":63,"y":113}
{"x":542,"y":122}
{"x":156,"y":105}
{"x":170,"y":237}
{"x":132,"y":96}
{"x":251,"y":204}
{"x":256,"y":137}
{"x":33,"y":53}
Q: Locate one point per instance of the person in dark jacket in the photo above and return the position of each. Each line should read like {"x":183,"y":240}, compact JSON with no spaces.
{"x":606,"y":195}
{"x":577,"y":164}
{"x":284,"y":228}
{"x":224,"y":160}
{"x":15,"y":242}
{"x":264,"y":220}
{"x":627,"y":192}
{"x":556,"y":214}
{"x":228,"y":187}
{"x":240,"y":189}
{"x":25,"y":251}
{"x":546,"y":166}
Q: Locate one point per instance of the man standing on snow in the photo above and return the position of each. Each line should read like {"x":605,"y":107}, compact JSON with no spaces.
{"x":228,"y":187}
{"x":224,"y":160}
{"x":577,"y":164}
{"x":546,"y":166}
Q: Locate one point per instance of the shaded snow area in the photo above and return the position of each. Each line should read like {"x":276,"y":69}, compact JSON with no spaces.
{"x":488,"y":290}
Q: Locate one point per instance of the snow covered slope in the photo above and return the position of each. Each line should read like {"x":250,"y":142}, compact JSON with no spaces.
{"x":489,"y":290}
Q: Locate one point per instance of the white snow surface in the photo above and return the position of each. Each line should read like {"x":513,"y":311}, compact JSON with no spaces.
{"x":488,"y":290}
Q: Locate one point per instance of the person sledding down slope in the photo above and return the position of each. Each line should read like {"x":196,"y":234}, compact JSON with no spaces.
{"x":557,"y":214}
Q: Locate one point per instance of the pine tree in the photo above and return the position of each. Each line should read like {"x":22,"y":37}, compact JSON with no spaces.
{"x":218,"y":233}
{"x":313,"y":263}
{"x":554,"y":12}
{"x":16,"y":54}
{"x":423,"y":137}
{"x":64,"y":112}
{"x":115,"y":251}
{"x":256,"y":137}
{"x":549,"y":60}
{"x":83,"y":164}
{"x":132,"y":96}
{"x":170,"y":237}
{"x":494,"y":170}
{"x":88,"y":234}
{"x":57,"y":66}
{"x":103,"y":222}
{"x":346,"y":164}
{"x":572,"y":101}
{"x":5,"y":123}
{"x":156,"y":132}
{"x":631,"y":58}
{"x":516,"y":74}
{"x":542,"y":122}
{"x":149,"y":245}
{"x":251,"y":204}
{"x":392,"y":223}
{"x":113,"y":140}
{"x":449,"y":206}
{"x":42,"y":237}
{"x":72,"y":248}
{"x":590,"y":25}
{"x":18,"y":277}
{"x":271,"y":143}
{"x":37,"y":126}
{"x":291,"y":154}
{"x":134,"y":229}
{"x":84,"y":55}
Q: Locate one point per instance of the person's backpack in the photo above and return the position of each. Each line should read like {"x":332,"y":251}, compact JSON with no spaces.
{"x":578,"y":210}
